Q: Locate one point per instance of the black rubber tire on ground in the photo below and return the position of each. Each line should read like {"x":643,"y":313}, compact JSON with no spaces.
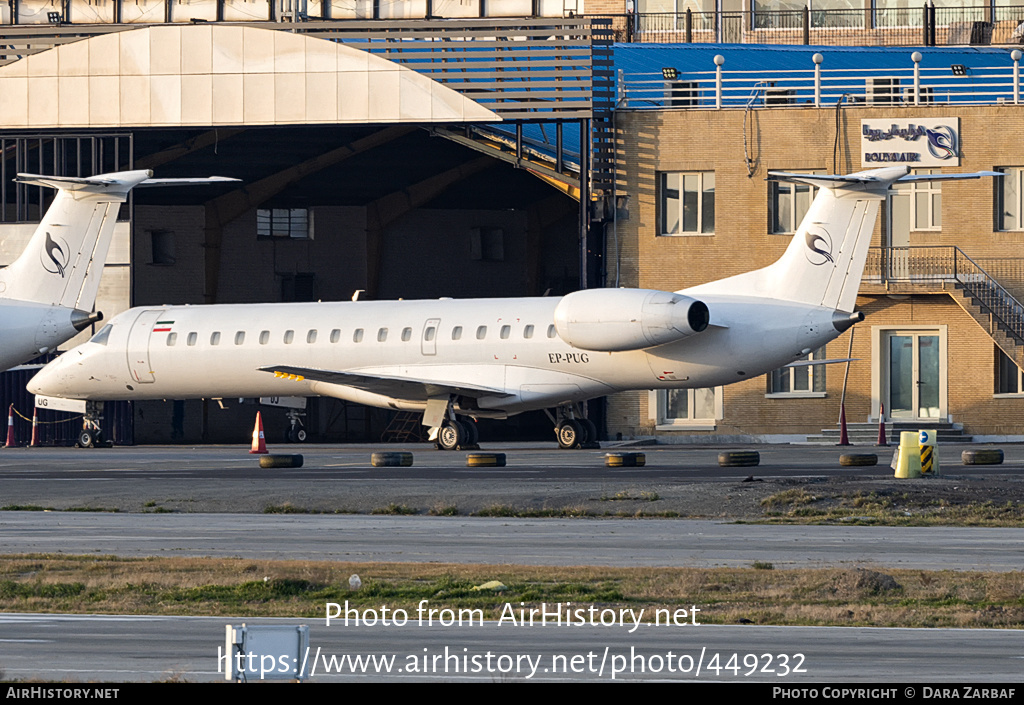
{"x":296,"y":435}
{"x":472,"y":432}
{"x":451,"y":436}
{"x":739,"y":458}
{"x":400,"y":459}
{"x":485,"y":460}
{"x":280,"y":461}
{"x":982,"y":456}
{"x":570,"y":434}
{"x":858,"y":459}
{"x":88,"y":439}
{"x":589,"y":431}
{"x":625,"y":460}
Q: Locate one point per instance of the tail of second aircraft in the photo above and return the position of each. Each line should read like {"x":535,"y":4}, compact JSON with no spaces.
{"x":62,"y":264}
{"x":824,"y":262}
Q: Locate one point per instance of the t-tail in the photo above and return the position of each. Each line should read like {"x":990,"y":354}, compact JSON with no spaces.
{"x":824,"y":262}
{"x":63,"y":262}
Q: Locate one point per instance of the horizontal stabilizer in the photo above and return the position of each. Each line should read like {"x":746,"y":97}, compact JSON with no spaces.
{"x":123,"y":180}
{"x":386,"y":385}
{"x":867,"y":178}
{"x":805,"y":363}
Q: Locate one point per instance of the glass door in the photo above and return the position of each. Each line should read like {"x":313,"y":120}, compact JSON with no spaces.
{"x":914,"y":376}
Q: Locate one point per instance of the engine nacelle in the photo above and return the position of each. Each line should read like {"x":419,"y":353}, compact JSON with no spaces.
{"x":612,"y":320}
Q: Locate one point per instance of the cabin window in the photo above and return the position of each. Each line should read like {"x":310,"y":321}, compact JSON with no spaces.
{"x":357,"y":336}
{"x":382,"y":335}
{"x":215,"y":338}
{"x":406,"y":335}
{"x":264,"y":337}
{"x":551,"y":331}
{"x":311,"y":336}
{"x":335,"y":335}
{"x":289,"y":336}
{"x":192,"y":338}
{"x":430,"y":333}
{"x":686,"y":203}
{"x":505,"y":332}
{"x":481,"y":332}
{"x":239,"y":337}
{"x":172,"y":338}
{"x":457,"y":333}
{"x":528,"y":331}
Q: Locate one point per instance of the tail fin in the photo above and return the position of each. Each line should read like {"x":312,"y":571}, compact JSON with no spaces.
{"x":824,"y":262}
{"x":64,"y":258}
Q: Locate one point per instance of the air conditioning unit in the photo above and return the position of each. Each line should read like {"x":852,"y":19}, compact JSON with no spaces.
{"x":882,"y":91}
{"x":925,"y":95}
{"x":779,"y":96}
{"x":682,"y":94}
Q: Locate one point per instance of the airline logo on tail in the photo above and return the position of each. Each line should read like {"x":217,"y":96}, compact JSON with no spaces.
{"x":819,"y":243}
{"x":54,"y":256}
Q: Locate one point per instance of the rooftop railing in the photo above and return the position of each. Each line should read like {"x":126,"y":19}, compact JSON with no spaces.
{"x":818,"y":86}
{"x":924,"y":25}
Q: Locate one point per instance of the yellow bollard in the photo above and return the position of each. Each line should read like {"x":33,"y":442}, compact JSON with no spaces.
{"x":928,"y":442}
{"x":909,"y":464}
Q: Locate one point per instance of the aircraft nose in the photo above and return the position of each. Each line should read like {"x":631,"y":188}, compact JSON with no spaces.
{"x":47,"y":381}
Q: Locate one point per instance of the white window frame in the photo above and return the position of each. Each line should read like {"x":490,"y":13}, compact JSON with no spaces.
{"x":928,"y":219}
{"x":657,"y":401}
{"x":795,"y":217}
{"x":816,"y":377}
{"x":678,"y":208}
{"x":1000,"y":356}
{"x":1015,"y":177}
{"x":284,"y":223}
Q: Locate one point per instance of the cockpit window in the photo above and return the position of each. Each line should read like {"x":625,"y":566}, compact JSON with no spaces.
{"x":101,"y":337}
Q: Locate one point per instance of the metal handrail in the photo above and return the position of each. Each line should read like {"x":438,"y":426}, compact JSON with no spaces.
{"x":948,"y":263}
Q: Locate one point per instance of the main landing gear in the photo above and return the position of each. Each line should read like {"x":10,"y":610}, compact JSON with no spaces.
{"x":574,"y":430}
{"x":456,"y":434}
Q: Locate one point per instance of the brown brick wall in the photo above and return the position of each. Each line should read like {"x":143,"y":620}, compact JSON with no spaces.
{"x":803,"y":138}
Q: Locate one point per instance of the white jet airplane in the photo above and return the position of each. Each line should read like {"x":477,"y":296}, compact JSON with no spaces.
{"x":48,"y":293}
{"x":493,"y":358}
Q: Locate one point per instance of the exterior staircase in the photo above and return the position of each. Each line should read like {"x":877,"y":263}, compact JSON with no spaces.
{"x":866,"y":434}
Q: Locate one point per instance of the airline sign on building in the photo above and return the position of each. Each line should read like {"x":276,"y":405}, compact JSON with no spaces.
{"x":915,"y":143}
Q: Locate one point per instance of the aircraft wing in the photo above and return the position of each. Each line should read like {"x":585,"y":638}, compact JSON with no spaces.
{"x":387,"y":385}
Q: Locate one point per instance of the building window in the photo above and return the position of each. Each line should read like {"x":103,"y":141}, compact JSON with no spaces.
{"x":925,"y":201}
{"x":1010,"y":199}
{"x":692,"y":409}
{"x":788,"y":203}
{"x":294,"y":223}
{"x":162,"y":242}
{"x":801,"y":380}
{"x":687,"y":203}
{"x":1009,"y":377}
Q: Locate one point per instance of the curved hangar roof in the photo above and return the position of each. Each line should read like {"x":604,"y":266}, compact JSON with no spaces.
{"x":214,"y":75}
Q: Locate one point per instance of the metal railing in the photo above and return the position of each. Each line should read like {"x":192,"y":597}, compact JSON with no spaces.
{"x":817,"y":86}
{"x":924,"y":25}
{"x":948,"y":264}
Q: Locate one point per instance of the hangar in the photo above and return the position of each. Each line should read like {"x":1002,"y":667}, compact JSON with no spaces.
{"x":397,"y":162}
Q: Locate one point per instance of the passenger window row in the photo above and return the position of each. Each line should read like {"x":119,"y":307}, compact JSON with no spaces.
{"x":505,"y":332}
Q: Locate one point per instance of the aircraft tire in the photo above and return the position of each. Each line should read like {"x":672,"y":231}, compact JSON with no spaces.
{"x":984,"y":456}
{"x":739,"y":459}
{"x":87,"y":439}
{"x":472,"y":432}
{"x":589,"y":431}
{"x":451,"y":436}
{"x":280,"y":461}
{"x":858,"y":459}
{"x":570,"y":434}
{"x":297,"y":435}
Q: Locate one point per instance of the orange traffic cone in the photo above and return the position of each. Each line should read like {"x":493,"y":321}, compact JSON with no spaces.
{"x":259,"y":443}
{"x":34,"y":443}
{"x":11,"y":443}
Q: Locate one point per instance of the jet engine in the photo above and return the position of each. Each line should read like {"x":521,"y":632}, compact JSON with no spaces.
{"x":612,"y":320}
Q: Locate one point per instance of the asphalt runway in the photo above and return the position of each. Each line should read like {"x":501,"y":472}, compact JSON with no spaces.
{"x":216,"y":495}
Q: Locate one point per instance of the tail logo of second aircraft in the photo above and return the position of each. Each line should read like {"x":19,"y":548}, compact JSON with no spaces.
{"x":820,"y":245}
{"x":54,"y":256}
